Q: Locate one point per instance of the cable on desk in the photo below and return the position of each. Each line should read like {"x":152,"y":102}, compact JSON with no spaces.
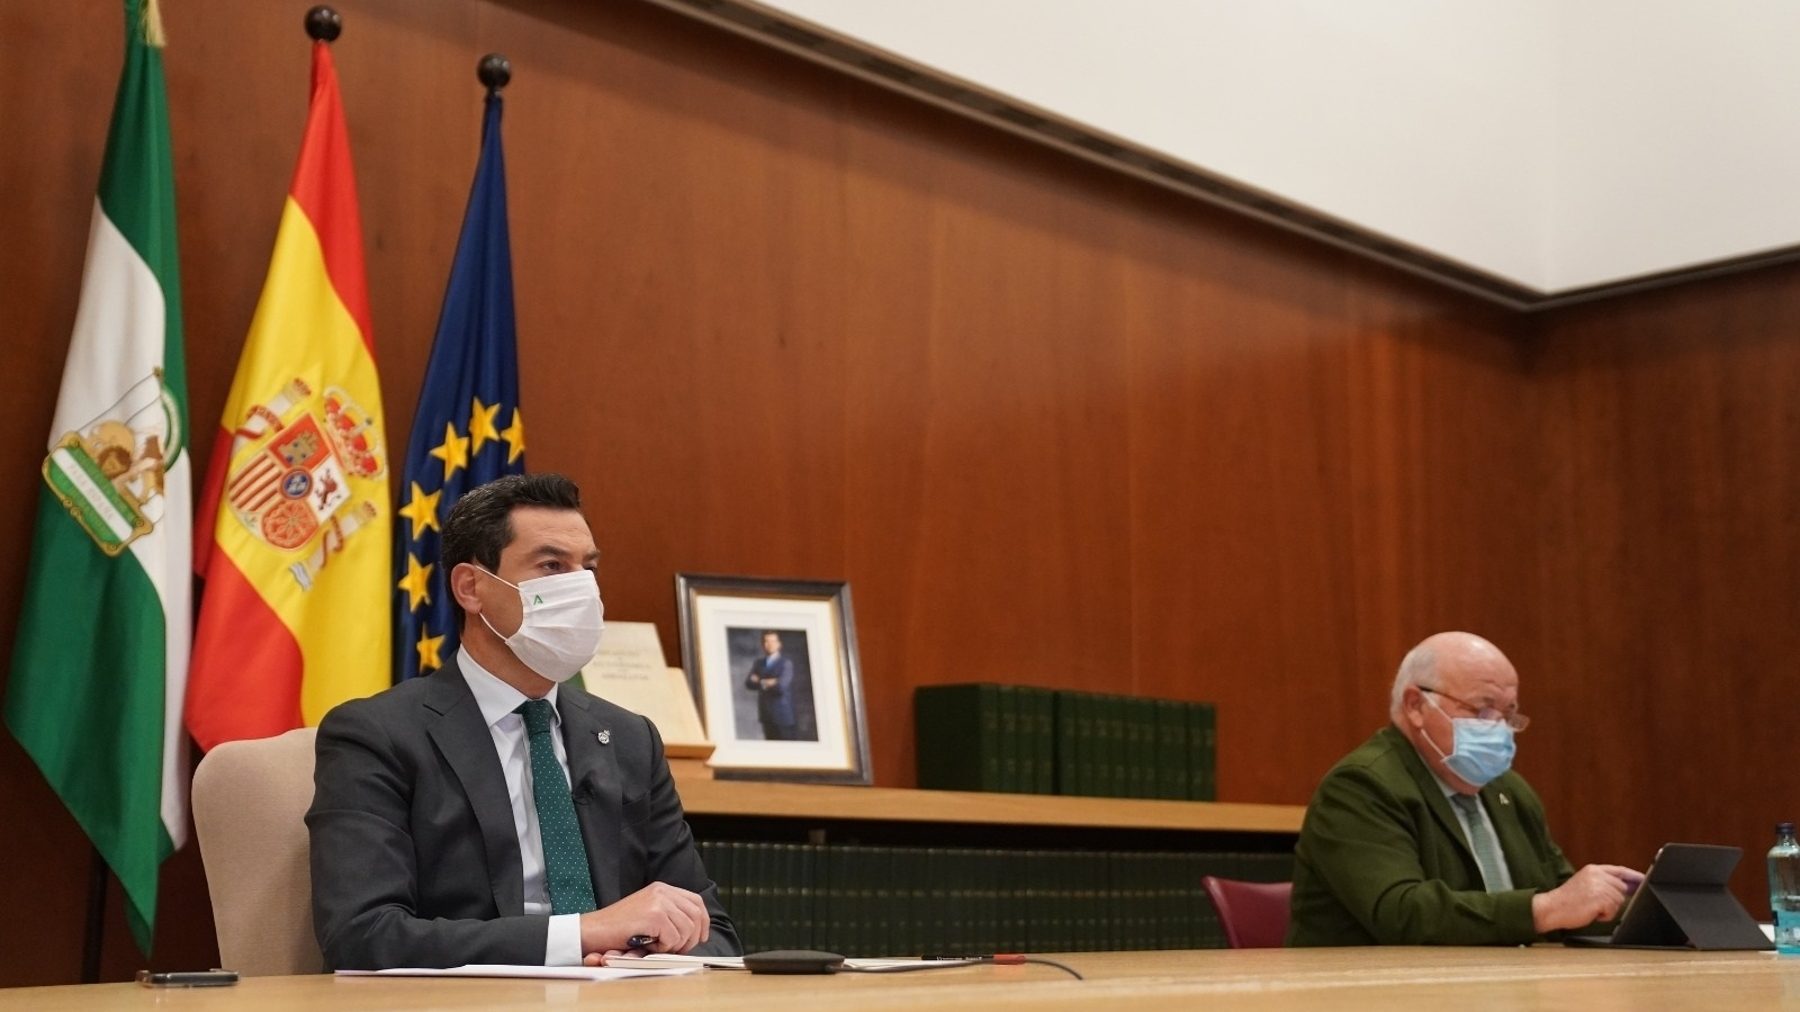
{"x":1002,"y":959}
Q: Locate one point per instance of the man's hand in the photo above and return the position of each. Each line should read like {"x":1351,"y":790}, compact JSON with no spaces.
{"x":1596,"y":893}
{"x":675,"y":918}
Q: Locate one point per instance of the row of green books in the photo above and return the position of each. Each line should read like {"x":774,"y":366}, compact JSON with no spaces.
{"x":1027,"y":740}
{"x":898,"y":901}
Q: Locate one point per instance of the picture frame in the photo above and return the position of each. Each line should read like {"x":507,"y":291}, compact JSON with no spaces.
{"x":774,"y":670}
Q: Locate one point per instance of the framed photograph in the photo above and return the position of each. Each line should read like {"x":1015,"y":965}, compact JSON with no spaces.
{"x":773,"y":667}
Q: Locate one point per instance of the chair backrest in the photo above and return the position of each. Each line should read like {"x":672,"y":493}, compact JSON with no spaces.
{"x":1253,"y":914}
{"x":250,"y":801}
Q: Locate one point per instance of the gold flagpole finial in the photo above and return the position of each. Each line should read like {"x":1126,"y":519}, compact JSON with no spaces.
{"x":151,"y":17}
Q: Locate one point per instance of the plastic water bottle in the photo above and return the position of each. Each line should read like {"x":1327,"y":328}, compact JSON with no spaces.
{"x":1784,"y":889}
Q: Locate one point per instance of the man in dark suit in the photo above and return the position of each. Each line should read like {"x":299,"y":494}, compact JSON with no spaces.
{"x":1426,"y":836}
{"x":489,"y":813}
{"x":772,"y":678}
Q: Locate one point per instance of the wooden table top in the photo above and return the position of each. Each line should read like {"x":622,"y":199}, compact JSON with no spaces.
{"x":1542,"y":977}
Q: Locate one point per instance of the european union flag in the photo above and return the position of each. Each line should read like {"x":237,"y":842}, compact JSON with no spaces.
{"x":467,"y":431}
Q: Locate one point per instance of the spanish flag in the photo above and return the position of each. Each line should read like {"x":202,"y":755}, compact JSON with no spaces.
{"x":294,"y":517}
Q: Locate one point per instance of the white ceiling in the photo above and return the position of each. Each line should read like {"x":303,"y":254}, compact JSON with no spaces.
{"x":1554,"y":144}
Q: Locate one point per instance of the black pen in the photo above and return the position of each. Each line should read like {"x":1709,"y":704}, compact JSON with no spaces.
{"x":640,"y":941}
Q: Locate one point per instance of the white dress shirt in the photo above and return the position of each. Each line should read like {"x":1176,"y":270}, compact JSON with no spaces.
{"x":1506,"y":883}
{"x":498,"y":700}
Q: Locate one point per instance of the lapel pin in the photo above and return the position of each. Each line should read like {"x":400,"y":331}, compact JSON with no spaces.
{"x":603,"y":736}
{"x":1504,"y":801}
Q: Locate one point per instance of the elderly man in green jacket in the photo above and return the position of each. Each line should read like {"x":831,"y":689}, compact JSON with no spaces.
{"x":1425,"y":836}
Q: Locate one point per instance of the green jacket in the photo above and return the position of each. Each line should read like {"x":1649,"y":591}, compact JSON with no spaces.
{"x":1382,"y":859}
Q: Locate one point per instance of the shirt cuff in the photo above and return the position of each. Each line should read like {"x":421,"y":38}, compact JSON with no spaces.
{"x":562,"y":943}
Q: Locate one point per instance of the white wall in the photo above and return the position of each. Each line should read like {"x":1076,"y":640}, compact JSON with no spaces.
{"x":1556,"y":144}
{"x":1678,"y":135}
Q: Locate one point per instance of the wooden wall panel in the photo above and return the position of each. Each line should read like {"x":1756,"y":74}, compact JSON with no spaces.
{"x":1669,"y":565}
{"x":1053,"y":425}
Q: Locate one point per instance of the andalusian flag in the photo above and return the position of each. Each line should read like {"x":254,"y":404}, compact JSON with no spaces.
{"x":102,"y":655}
{"x":295,"y":517}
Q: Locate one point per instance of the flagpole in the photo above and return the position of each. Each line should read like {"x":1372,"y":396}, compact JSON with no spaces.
{"x":495,"y":71}
{"x":95,"y":932}
{"x":323,"y":24}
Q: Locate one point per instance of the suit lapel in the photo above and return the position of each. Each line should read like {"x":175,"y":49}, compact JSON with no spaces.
{"x":464,"y":741}
{"x":1433,"y":793}
{"x":594,"y":781}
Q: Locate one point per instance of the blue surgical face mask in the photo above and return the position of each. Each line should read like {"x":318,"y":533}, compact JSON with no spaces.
{"x":1481,"y":749}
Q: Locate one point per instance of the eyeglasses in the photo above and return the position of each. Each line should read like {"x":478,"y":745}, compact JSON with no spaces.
{"x":1517,"y":721}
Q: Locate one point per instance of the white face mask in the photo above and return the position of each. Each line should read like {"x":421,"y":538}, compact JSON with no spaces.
{"x":561,"y":625}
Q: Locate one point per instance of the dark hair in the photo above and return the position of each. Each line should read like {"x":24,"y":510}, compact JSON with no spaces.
{"x":479,"y":526}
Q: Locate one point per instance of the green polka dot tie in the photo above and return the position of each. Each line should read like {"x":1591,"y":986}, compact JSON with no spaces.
{"x":565,"y":856}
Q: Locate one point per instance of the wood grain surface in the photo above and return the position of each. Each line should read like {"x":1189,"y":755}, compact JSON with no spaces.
{"x":1538,"y":978}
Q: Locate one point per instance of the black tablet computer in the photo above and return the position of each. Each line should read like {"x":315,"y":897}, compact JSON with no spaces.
{"x":1684,"y":903}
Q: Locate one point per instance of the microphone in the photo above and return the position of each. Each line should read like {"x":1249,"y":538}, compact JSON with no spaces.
{"x":806,"y":961}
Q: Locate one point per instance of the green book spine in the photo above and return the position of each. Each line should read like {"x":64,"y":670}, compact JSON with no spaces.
{"x":1131,"y":735}
{"x":836,"y":918}
{"x":1014,"y":906}
{"x":1171,"y":751}
{"x":1050,"y":927}
{"x":750,"y":925}
{"x":1107,"y":932}
{"x":1201,"y":759}
{"x":1067,"y":746}
{"x":800,"y":901}
{"x":1168,"y":902}
{"x":780,"y":918}
{"x":953,"y":921}
{"x":1143,"y":902}
{"x":1128,"y":907}
{"x":1092,"y":745}
{"x":1095,"y":930}
{"x":1143,"y":765}
{"x":890,"y":910}
{"x":871,"y":933}
{"x":956,"y":737}
{"x":1209,"y":752}
{"x":1118,"y":777}
{"x":990,"y":889}
{"x":774,"y":933}
{"x":1097,"y":750}
{"x":1006,"y":707}
{"x":810,"y":873}
{"x":1130,"y":762}
{"x":1040,"y":706}
{"x":912,"y":875}
{"x":969,"y":902}
{"x":937,"y":901}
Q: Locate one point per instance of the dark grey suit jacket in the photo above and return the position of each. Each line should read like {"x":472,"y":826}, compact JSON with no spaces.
{"x":414,"y":858}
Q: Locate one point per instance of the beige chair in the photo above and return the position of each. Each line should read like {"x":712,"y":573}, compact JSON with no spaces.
{"x":250,"y":801}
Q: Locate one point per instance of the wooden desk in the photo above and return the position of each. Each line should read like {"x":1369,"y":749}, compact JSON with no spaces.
{"x":1544,"y":977}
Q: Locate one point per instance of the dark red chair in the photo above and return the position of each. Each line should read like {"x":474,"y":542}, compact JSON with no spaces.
{"x":1253,"y":914}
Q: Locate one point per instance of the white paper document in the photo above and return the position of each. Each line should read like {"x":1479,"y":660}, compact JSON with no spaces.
{"x":673,"y":961}
{"x":595,"y":973}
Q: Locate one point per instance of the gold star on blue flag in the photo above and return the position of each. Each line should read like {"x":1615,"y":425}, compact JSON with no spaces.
{"x":466,"y":431}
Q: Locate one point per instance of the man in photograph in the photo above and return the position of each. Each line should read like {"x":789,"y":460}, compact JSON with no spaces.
{"x":490,"y":812}
{"x":772,"y":679}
